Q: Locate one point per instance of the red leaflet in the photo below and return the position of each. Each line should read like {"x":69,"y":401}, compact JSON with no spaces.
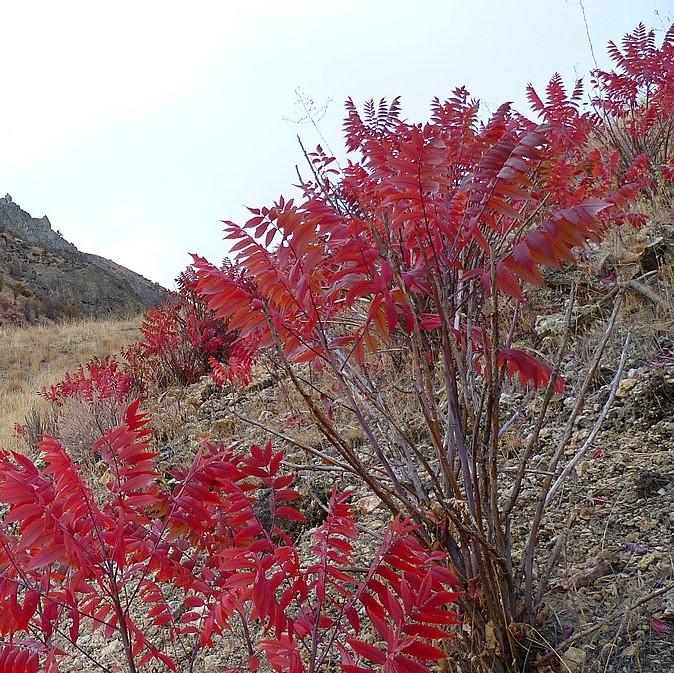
{"x":48,"y":556}
{"x":18,"y":659}
{"x":352,"y":668}
{"x":661,"y":628}
{"x":424,"y":651}
{"x":369,"y":652}
{"x":289,"y":513}
{"x":437,"y":617}
{"x":528,"y":369}
{"x":424,"y":631}
{"x":406,"y":665}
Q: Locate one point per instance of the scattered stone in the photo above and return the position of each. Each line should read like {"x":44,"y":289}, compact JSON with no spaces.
{"x":107,"y":653}
{"x":549,"y":325}
{"x":625,"y":386}
{"x":600,"y":568}
{"x":573,"y":659}
{"x":668,"y":609}
{"x":212,"y":663}
{"x":647,"y":560}
{"x":368,"y":504}
{"x":223,"y":427}
{"x":654,"y":255}
{"x":647,"y":483}
{"x":632,"y":650}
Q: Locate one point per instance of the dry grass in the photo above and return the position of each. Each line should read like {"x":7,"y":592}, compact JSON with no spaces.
{"x":37,"y":356}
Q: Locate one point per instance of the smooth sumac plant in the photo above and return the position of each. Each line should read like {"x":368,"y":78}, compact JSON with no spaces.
{"x":100,"y":380}
{"x":636,"y":104}
{"x":170,"y":570}
{"x":178,"y":339}
{"x":415,"y":258}
{"x":84,"y":404}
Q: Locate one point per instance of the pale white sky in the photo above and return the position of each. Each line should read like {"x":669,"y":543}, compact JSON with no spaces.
{"x":137,"y":126}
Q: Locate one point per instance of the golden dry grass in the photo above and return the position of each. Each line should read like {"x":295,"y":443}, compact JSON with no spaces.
{"x":37,"y":356}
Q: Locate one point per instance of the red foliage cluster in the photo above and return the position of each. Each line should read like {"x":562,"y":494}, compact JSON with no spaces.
{"x":178,"y":339}
{"x":636,"y":101}
{"x":238,"y":368}
{"x":20,"y":429}
{"x":428,"y":209}
{"x":9,"y":312}
{"x":490,"y":203}
{"x":101,"y":379}
{"x":68,"y":559}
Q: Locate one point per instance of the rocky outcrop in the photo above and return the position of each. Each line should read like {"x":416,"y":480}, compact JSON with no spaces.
{"x":31,"y":229}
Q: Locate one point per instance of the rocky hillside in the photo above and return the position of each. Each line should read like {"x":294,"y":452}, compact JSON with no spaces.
{"x":44,"y":275}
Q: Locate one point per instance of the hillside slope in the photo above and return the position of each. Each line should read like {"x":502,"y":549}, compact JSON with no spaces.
{"x":42,"y":274}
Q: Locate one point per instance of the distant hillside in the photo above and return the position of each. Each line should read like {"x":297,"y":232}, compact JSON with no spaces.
{"x":42,"y":275}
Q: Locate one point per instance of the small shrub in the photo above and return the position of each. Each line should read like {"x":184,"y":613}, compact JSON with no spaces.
{"x":178,"y":339}
{"x":34,"y":426}
{"x":85,"y":404}
{"x":101,"y":379}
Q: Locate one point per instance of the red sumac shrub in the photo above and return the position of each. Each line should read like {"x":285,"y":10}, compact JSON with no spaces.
{"x":85,"y":403}
{"x":636,"y":103}
{"x":101,"y":379}
{"x":178,"y":339}
{"x":414,"y":259}
{"x":74,"y":559}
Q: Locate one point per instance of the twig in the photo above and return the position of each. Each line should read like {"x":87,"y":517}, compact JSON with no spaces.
{"x":313,"y":468}
{"x":286,"y":438}
{"x":533,"y":439}
{"x":527,"y":565}
{"x":587,"y":32}
{"x":527,"y":470}
{"x":597,"y":426}
{"x":554,"y":556}
{"x":646,"y":291}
